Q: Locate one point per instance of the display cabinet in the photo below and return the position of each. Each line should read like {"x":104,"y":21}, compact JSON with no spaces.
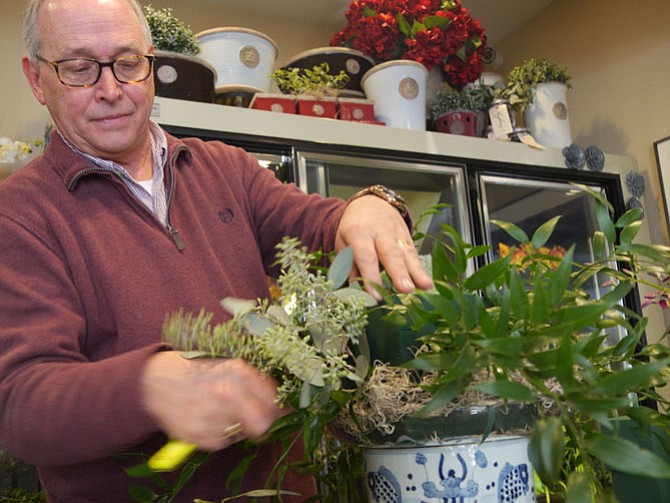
{"x":479,"y":179}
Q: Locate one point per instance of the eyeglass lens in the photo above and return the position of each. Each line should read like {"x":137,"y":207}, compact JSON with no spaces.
{"x":86,"y":72}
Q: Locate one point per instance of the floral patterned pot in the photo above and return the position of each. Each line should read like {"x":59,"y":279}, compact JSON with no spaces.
{"x":461,"y":470}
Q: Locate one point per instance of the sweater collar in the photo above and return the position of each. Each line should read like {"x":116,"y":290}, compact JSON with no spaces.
{"x":72,"y":166}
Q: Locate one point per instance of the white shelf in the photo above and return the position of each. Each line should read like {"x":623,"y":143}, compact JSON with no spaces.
{"x":224,"y":118}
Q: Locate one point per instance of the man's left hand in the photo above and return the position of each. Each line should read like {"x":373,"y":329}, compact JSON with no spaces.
{"x":378,"y":234}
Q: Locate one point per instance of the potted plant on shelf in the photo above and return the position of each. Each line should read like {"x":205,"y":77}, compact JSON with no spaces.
{"x":461,"y":112}
{"x":178,"y":71}
{"x":440,"y":35}
{"x":538,"y":88}
{"x":315,"y":88}
{"x":519,"y":338}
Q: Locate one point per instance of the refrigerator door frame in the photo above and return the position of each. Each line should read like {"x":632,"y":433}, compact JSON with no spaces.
{"x":373,"y":160}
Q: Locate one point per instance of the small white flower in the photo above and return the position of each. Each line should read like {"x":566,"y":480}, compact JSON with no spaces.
{"x":12,"y":150}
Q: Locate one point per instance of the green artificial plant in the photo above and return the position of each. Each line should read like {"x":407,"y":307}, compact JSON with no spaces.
{"x":523,"y":79}
{"x":169,"y":33}
{"x":316,"y":81}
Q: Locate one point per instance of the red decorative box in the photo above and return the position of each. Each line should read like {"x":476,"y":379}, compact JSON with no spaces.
{"x":273,"y":102}
{"x":356,"y":109}
{"x":317,"y":107}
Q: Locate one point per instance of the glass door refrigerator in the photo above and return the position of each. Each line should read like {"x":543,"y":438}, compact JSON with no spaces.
{"x":423,"y":184}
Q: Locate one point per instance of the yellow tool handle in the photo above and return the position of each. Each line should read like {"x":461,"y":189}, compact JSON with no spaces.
{"x":171,"y":456}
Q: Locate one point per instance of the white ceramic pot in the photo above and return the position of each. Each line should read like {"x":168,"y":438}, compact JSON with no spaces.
{"x":547,"y":116}
{"x":398,"y":89}
{"x":463,"y":470}
{"x":241,"y":56}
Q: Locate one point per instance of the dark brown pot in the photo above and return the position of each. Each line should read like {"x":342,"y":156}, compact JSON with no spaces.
{"x":184,"y":77}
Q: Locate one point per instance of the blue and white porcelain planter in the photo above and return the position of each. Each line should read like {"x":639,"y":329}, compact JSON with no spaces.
{"x":461,"y":470}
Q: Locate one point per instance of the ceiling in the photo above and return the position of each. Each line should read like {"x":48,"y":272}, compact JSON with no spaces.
{"x":499,"y":18}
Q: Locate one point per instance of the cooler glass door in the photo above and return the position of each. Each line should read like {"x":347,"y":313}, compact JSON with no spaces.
{"x":422,"y":185}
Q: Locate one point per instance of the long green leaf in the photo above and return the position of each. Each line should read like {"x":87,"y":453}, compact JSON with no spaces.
{"x":605,"y":223}
{"x":486,"y":275}
{"x":631,"y":216}
{"x":507,"y":390}
{"x":516,"y":232}
{"x":544,"y":232}
{"x":579,"y":488}
{"x":560,"y":279}
{"x":626,"y":380}
{"x":628,"y":457}
{"x":547,"y":444}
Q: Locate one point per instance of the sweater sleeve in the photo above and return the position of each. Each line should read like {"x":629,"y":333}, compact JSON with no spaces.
{"x":57,"y":406}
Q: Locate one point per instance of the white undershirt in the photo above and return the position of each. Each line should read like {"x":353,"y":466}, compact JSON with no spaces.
{"x":147,"y":185}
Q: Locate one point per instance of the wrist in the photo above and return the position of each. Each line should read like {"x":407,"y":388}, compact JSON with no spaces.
{"x":391,"y":197}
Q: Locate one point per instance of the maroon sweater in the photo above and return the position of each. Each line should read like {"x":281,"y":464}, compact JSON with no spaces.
{"x":87,"y":277}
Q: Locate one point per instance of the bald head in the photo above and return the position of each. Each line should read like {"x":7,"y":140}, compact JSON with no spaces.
{"x":35,"y":8}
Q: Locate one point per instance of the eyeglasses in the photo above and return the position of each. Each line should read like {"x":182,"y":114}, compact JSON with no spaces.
{"x":85,"y":72}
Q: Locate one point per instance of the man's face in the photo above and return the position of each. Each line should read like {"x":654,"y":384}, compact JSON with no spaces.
{"x":109,"y":119}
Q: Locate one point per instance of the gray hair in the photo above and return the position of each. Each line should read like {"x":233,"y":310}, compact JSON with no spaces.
{"x":31,"y":32}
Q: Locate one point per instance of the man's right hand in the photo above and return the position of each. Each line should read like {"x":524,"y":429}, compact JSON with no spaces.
{"x":201,"y":401}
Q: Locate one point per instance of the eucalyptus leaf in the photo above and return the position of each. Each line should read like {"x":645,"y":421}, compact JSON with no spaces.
{"x":278,"y":315}
{"x":338,"y":272}
{"x":257,"y":325}
{"x":350,"y":295}
{"x":236,"y":306}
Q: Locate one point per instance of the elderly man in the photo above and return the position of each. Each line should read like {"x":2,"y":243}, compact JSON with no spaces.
{"x":119,"y":224}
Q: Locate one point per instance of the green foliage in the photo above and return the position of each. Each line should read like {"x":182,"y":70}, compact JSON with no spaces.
{"x":304,"y":338}
{"x":170,"y":34}
{"x":527,"y":321}
{"x":520,"y":329}
{"x":316,"y":81}
{"x":524,"y":78}
{"x":474,"y":98}
{"x":17,"y":495}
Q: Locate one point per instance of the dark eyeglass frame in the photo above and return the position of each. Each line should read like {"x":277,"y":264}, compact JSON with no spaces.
{"x":101,"y":65}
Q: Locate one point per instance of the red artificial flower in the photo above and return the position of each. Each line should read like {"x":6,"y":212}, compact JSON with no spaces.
{"x":436,"y":33}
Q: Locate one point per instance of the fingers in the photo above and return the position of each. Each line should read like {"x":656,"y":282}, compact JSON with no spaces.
{"x":378,"y":235}
{"x":210,"y":403}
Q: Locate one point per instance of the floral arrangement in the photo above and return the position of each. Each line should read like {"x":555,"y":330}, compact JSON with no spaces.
{"x":521,"y":253}
{"x":13,"y":150}
{"x":520,"y":330}
{"x":435,"y":33}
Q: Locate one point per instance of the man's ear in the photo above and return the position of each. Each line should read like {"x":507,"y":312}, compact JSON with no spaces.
{"x":34,"y":79}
